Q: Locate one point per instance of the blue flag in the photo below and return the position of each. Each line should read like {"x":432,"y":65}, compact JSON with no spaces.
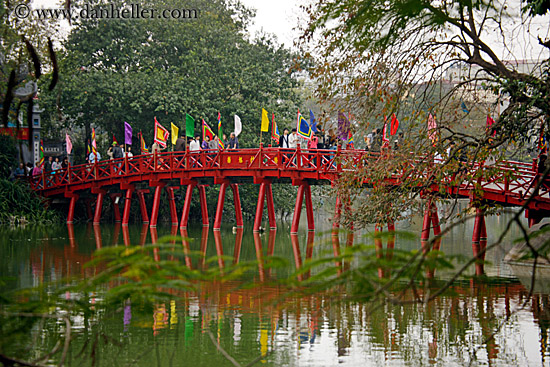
{"x":304,"y":130}
{"x":463,"y":106}
{"x":312,"y":121}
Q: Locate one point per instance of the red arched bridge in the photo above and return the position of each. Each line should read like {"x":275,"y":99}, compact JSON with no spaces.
{"x":264,"y":166}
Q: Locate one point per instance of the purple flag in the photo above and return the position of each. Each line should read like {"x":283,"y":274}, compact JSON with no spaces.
{"x":343,"y":127}
{"x":127,"y":133}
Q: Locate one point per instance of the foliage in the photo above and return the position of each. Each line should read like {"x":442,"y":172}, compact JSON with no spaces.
{"x":113,"y":72}
{"x":8,"y":155}
{"x":17,"y":201}
{"x":416,"y":58}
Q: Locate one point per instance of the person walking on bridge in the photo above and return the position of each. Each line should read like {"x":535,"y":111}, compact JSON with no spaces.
{"x":233,"y":141}
{"x":283,"y":140}
{"x":293,"y":140}
{"x":180,"y":143}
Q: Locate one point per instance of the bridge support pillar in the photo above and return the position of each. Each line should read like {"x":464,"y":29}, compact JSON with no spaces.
{"x":219,"y":208}
{"x":172,"y":202}
{"x":265,"y":193}
{"x":72,"y":205}
{"x":116,"y":208}
{"x":143,"y":206}
{"x":237,"y":203}
{"x":187,"y":205}
{"x":204,"y":207}
{"x":89,"y":211}
{"x":99,"y":204}
{"x":127,"y":205}
{"x":479,"y":240}
{"x":431,"y":220}
{"x":260,"y":207}
{"x":303,"y":190}
{"x":156,"y":203}
{"x":337,"y":213}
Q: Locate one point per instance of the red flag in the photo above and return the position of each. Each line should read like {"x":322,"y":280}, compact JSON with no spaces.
{"x":394,"y":124}
{"x":161,"y":134}
{"x":207,"y":131}
{"x":432,"y":128}
{"x":114,"y":140}
{"x":488,"y":125}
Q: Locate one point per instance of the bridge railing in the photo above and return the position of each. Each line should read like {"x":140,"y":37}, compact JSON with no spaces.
{"x":513,"y":177}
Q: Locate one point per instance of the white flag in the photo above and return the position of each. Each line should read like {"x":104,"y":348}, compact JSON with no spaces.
{"x":238,"y":125}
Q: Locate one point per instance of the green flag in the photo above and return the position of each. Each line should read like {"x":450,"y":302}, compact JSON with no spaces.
{"x":189,"y":126}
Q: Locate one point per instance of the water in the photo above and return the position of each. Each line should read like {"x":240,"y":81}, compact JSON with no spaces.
{"x":494,"y":321}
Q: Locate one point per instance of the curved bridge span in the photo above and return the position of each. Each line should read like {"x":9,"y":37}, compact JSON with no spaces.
{"x":168,"y":171}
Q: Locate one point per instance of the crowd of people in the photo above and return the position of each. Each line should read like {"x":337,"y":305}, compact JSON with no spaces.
{"x":289,"y":139}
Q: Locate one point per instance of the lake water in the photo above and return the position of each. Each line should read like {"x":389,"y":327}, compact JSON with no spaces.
{"x":483,"y":321}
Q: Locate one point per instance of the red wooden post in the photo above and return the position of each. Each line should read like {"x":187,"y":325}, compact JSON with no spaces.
{"x":219,"y":208}
{"x":337,"y":213}
{"x":204,"y":207}
{"x":127,"y":205}
{"x":187,"y":205}
{"x":172,"y":202}
{"x":260,"y":208}
{"x":72,"y":205}
{"x":476,"y":237}
{"x":237,"y":203}
{"x":219,"y":248}
{"x":309,"y":208}
{"x":426,"y":222}
{"x":143,"y":234}
{"x":270,"y":207}
{"x":297,"y":210}
{"x":435,"y":219}
{"x":142,"y":205}
{"x":99,"y":204}
{"x":116,"y":234}
{"x":156,"y":203}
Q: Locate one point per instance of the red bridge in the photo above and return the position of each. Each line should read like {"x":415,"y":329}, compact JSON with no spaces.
{"x":266,"y":166}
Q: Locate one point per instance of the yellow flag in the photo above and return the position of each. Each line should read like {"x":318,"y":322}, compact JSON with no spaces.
{"x":265,"y":121}
{"x":175,"y":131}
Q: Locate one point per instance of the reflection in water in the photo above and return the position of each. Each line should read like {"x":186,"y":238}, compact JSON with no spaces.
{"x":465,"y":326}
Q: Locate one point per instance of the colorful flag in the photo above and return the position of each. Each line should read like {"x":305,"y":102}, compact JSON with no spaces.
{"x":175,"y":131}
{"x":189,"y":126}
{"x":463,"y":106}
{"x":304,"y":130}
{"x":343,"y":126}
{"x":312,"y":121}
{"x":94,"y":145}
{"x":220,"y":132}
{"x":88,"y":148}
{"x":127,"y":133}
{"x":432,"y":128}
{"x":265,"y":121}
{"x":238,"y":125}
{"x":69,"y":143}
{"x":488,"y":125}
{"x":41,"y":160}
{"x":114,"y":140}
{"x":385,"y":134}
{"x":394,"y":124}
{"x":161,"y":134}
{"x":274,"y":129}
{"x":207,"y":131}
{"x":351,"y":145}
{"x":143,"y":146}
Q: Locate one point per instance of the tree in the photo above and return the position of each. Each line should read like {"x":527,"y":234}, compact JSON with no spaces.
{"x":116,"y":71}
{"x":418,"y":57}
